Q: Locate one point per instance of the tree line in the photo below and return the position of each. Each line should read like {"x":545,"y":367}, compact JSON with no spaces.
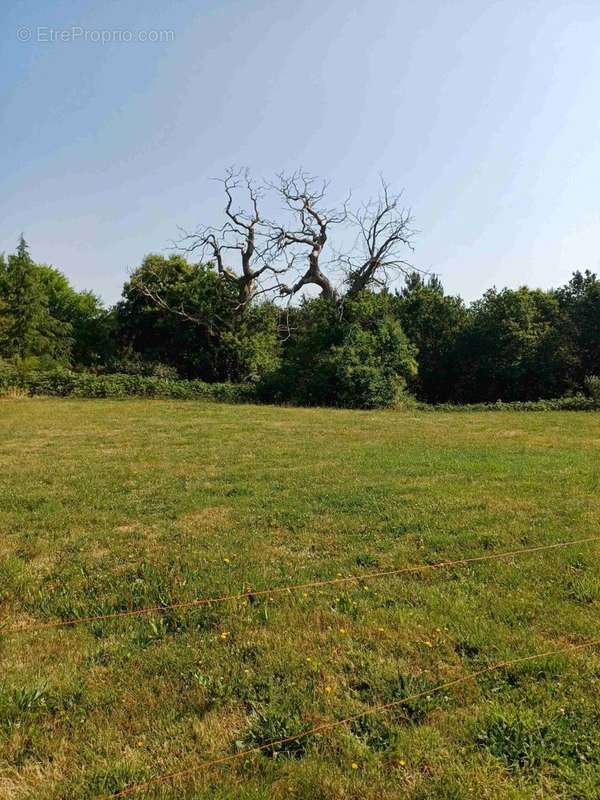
{"x":311,"y":303}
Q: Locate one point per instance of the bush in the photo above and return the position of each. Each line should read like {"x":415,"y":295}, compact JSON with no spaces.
{"x":345,"y":375}
{"x":133,"y":364}
{"x":64,"y":383}
{"x":358,"y":357}
{"x":577,"y":402}
{"x":9,"y":377}
{"x":592,"y":387}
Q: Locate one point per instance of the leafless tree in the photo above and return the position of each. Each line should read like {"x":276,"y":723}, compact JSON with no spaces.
{"x":244,"y":232}
{"x":255,"y":254}
{"x":309,"y":230}
{"x":384,"y":234}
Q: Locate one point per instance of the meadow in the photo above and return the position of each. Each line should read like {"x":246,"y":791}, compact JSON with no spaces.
{"x":110,"y":505}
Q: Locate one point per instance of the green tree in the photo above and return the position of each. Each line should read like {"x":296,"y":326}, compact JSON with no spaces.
{"x":580,"y":300}
{"x":516,"y":346}
{"x":29,"y":330}
{"x":433,"y":321}
{"x":185,"y":315}
{"x":354,"y":355}
{"x":92,"y":327}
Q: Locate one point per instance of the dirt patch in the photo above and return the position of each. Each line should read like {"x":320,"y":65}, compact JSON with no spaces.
{"x":206,"y":519}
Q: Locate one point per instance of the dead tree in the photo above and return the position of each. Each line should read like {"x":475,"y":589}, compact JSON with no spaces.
{"x":308,"y":233}
{"x":384,"y":234}
{"x":244,"y":232}
{"x":254,"y":254}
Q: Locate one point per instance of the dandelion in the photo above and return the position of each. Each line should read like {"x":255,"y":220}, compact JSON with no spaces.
{"x":226,"y":560}
{"x":342,"y":630}
{"x":428,"y":643}
{"x":354,"y":765}
{"x":328,"y":689}
{"x":224,"y":634}
{"x":402,"y":762}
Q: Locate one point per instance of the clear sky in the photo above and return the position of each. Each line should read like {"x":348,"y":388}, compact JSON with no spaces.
{"x":487,"y":113}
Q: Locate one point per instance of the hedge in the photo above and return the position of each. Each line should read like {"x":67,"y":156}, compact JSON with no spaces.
{"x":578,"y":402}
{"x":64,"y":383}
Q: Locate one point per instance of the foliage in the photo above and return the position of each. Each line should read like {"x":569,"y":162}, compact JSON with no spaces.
{"x":592,"y":387}
{"x":65,"y":383}
{"x":91,"y":326}
{"x":43,"y":320}
{"x":28,"y":327}
{"x":356,"y":357}
{"x":195,"y":327}
{"x":576,"y":402}
{"x":580,"y":301}
{"x":363,"y":349}
{"x":132,"y":363}
{"x":515,"y":347}
{"x":434,"y":322}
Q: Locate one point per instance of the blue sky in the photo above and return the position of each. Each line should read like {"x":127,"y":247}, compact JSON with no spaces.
{"x":486,"y":113}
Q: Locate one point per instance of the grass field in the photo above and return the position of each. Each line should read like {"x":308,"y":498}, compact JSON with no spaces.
{"x":107,"y":506}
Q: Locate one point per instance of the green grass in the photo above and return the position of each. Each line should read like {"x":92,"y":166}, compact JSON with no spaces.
{"x":108,"y":505}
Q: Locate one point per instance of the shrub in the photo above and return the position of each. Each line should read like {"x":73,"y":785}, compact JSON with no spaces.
{"x":133,"y":364}
{"x":592,"y":387}
{"x":577,"y":402}
{"x":355,"y":357}
{"x":65,"y":383}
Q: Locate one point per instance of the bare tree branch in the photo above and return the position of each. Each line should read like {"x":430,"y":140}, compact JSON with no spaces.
{"x":147,"y":290}
{"x":384,"y":233}
{"x":244,"y":231}
{"x":255,"y":255}
{"x":304,"y":197}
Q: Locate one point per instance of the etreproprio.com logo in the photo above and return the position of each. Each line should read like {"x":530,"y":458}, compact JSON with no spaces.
{"x":76,"y":33}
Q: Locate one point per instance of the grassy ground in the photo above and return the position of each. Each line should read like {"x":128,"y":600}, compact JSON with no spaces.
{"x":109,"y":505}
